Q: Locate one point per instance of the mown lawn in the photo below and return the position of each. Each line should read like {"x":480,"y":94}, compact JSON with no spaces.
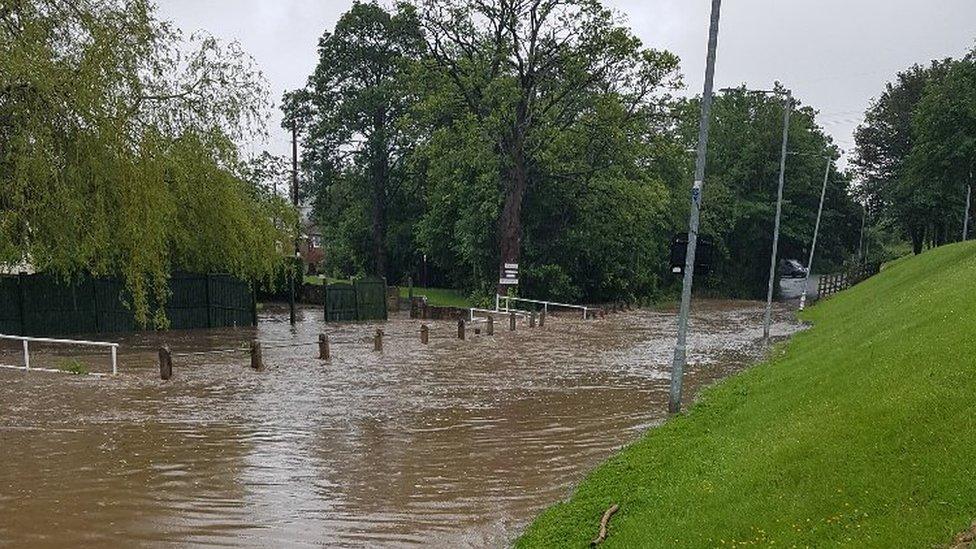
{"x":440,"y":297}
{"x":860,"y":433}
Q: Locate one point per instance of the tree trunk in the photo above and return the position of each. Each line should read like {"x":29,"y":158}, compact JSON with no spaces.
{"x":515,"y":184}
{"x":380,"y":163}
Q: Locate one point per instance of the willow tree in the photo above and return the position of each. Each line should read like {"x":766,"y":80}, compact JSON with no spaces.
{"x":118,"y":150}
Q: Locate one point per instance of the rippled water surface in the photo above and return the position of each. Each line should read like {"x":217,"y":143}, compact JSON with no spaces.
{"x":459,"y":443}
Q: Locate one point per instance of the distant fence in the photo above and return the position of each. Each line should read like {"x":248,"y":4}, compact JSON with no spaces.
{"x":40,"y":305}
{"x":362,"y":300}
{"x":832,"y":283}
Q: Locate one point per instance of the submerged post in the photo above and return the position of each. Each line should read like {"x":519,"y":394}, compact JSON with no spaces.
{"x":461,"y":328}
{"x":532,"y":319}
{"x":511,"y":322}
{"x":424,"y":334}
{"x":324,"y":353}
{"x":490,"y":326}
{"x":165,"y":363}
{"x":378,"y":340}
{"x":256,"y":361}
{"x":542,"y":318}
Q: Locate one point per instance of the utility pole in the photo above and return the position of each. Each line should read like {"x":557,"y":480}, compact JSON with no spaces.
{"x":767,"y":319}
{"x":298,"y":231}
{"x":678,"y":365}
{"x":816,"y":230}
{"x":965,"y":222}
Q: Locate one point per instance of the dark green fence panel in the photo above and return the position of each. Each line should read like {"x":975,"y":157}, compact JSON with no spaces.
{"x":54,"y":307}
{"x":371,"y":298}
{"x":111,"y":314}
{"x":45,"y":305}
{"x":11,"y":321}
{"x":340,"y":303}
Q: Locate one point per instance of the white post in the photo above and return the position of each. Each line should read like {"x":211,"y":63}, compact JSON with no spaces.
{"x":115,"y":368}
{"x":545,"y":307}
{"x":26,"y":356}
{"x":496,"y":302}
{"x":584,"y":313}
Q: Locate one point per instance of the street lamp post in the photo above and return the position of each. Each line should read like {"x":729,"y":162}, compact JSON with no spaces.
{"x":767,"y":318}
{"x":816,"y":230}
{"x":678,"y":364}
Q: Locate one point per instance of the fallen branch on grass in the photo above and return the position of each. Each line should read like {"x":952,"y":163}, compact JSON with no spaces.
{"x":603,"y":525}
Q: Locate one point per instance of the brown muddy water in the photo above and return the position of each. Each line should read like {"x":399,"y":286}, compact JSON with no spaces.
{"x":457,"y":444}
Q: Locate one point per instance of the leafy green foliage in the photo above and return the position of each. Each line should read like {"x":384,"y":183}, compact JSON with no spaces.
{"x":739,"y":201}
{"x":117,"y":149}
{"x":912,"y":161}
{"x":859,"y":433}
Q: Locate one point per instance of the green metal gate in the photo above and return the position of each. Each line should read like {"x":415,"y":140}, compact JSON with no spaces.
{"x":340,"y":303}
{"x":363,"y":300}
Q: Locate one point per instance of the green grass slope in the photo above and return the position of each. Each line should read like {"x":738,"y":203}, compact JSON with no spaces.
{"x":860,"y":433}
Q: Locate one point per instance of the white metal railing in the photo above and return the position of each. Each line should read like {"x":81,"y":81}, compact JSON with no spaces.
{"x":474,"y":310}
{"x":545,"y":304}
{"x":26,"y":343}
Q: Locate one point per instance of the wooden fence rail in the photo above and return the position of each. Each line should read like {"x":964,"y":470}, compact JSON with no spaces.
{"x":832,"y":283}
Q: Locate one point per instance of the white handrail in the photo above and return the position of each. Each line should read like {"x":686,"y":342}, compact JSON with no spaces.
{"x":27,"y":339}
{"x":473,"y":310}
{"x":545,"y":304}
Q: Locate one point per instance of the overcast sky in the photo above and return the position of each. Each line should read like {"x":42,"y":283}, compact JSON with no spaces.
{"x":836,"y":55}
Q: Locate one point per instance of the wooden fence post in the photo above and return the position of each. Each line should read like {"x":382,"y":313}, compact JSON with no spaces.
{"x":165,"y":363}
{"x":532,"y":319}
{"x":324,"y":353}
{"x":424,"y":334}
{"x":511,"y":322}
{"x":378,"y":340}
{"x":460,"y":328}
{"x":490,"y":325}
{"x":256,"y":361}
{"x":542,"y":319}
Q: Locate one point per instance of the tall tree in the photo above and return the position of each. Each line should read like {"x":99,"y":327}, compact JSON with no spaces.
{"x":526,"y":71}
{"x":350,"y":113}
{"x":883,"y":144}
{"x":942,"y":161}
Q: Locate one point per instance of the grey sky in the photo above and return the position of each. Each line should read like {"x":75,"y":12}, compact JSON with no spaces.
{"x":835,"y":54}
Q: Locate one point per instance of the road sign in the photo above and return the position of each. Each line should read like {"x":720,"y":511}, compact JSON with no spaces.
{"x":508,"y":281}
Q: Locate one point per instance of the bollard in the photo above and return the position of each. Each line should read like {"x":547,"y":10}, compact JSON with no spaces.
{"x":490,"y":326}
{"x":424,"y":334}
{"x":378,"y":340}
{"x":460,"y":328}
{"x":532,"y":320}
{"x":511,"y":322}
{"x":165,"y":363}
{"x":542,"y":319}
{"x":256,"y":361}
{"x":324,"y":353}
{"x":603,"y":313}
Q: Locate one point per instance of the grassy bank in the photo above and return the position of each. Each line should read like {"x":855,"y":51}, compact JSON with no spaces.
{"x":861,"y":432}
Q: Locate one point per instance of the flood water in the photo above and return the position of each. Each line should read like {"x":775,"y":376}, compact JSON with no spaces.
{"x":454,"y":444}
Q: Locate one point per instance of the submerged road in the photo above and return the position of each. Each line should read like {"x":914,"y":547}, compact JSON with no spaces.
{"x":459,"y":443}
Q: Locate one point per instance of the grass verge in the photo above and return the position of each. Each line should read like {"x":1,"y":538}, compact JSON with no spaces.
{"x":861,"y":432}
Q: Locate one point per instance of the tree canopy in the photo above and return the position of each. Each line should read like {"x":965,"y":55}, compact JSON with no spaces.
{"x":118,"y":150}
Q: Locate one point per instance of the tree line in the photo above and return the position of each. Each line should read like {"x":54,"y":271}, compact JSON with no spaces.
{"x":477,"y":133}
{"x":916,"y":152}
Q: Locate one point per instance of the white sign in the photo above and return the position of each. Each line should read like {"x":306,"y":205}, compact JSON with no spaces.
{"x":508,"y":281}
{"x":511,"y":266}
{"x":511,"y":274}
